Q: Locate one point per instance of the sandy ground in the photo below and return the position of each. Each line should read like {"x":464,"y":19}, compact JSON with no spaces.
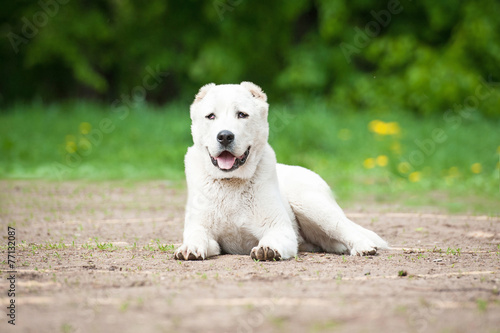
{"x":97,"y":257}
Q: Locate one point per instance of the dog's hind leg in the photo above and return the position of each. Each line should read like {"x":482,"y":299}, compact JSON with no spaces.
{"x":321,"y":221}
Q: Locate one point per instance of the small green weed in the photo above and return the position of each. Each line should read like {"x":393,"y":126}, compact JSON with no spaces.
{"x":453,"y":251}
{"x":481,"y":304}
{"x":165,"y":247}
{"x":105,"y":246}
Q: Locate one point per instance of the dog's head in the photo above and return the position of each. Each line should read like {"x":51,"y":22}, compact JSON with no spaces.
{"x":229,"y":123}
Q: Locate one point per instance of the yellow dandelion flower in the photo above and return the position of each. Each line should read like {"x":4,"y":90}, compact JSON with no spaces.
{"x":71,"y":147}
{"x":85,"y":128}
{"x":415,"y":176}
{"x":377,"y":126}
{"x":383,"y":128}
{"x":372,"y":124}
{"x":369,"y":163}
{"x":404,"y":167}
{"x":392,"y":128}
{"x":382,"y":160}
{"x":344,"y":134}
{"x":476,"y":168}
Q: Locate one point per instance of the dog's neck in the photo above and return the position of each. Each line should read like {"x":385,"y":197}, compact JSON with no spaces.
{"x":232,"y":181}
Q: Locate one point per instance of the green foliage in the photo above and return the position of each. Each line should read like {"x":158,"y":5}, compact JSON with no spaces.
{"x":423,"y":56}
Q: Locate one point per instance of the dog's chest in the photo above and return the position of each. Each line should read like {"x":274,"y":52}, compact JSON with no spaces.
{"x":232,"y":217}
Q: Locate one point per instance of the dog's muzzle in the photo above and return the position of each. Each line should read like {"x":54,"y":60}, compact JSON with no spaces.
{"x":228,"y":162}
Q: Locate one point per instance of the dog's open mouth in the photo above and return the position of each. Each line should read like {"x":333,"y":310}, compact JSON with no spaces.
{"x":228,"y":162}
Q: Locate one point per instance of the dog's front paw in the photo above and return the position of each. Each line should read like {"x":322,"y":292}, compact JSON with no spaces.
{"x":363,"y":247}
{"x":189,"y":252}
{"x":264,"y":253}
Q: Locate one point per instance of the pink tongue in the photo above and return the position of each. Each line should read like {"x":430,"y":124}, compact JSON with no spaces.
{"x":226,"y":160}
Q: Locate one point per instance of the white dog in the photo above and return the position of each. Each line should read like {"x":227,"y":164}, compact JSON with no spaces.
{"x":240,"y":201}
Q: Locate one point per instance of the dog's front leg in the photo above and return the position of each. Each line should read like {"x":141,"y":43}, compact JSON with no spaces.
{"x":276,"y":244}
{"x":278,"y":239}
{"x":198,"y":244}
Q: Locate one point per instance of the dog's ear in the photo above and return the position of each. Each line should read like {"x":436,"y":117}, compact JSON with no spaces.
{"x":203,"y":91}
{"x":255,"y":90}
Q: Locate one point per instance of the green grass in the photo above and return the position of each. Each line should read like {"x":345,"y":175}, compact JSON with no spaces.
{"x":87,"y":141}
{"x":47,"y":142}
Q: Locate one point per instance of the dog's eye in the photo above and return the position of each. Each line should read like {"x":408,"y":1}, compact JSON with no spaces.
{"x":242,"y":115}
{"x":211,"y":116}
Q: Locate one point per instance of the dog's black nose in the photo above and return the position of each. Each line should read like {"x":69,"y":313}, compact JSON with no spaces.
{"x":225,"y":137}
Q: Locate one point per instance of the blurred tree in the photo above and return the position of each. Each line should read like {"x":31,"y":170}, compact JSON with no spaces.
{"x":423,"y":56}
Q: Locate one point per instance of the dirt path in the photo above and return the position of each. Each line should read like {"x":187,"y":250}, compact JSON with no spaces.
{"x":98,"y":258}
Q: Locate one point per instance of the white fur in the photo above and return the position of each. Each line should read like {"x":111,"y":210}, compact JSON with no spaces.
{"x":262,"y":208}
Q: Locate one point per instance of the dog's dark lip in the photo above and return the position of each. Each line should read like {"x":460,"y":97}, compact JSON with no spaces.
{"x":237,"y":163}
